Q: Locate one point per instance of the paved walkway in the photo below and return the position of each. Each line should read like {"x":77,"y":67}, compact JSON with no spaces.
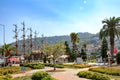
{"x":68,"y":74}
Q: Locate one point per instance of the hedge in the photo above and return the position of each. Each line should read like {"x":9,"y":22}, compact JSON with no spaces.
{"x":57,"y":65}
{"x":93,"y":75}
{"x":33,"y":65}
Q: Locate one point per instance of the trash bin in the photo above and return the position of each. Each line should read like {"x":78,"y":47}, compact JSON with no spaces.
{"x":23,"y":68}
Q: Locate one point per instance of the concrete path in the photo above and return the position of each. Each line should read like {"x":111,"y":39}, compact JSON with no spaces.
{"x":68,"y":74}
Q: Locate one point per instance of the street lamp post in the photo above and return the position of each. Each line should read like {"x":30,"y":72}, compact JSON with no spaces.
{"x":3,"y":41}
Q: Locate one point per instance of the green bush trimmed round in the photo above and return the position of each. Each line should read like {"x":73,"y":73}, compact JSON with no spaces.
{"x":48,"y":77}
{"x":41,"y":76}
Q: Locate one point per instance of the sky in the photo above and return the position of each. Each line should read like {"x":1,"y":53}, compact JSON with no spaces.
{"x":55,"y":17}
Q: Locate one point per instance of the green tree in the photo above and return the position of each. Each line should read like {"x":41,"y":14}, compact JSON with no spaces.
{"x":75,"y":39}
{"x":56,"y":50}
{"x":104,"y":49}
{"x":85,"y":46}
{"x":69,"y":52}
{"x":118,"y":58}
{"x":111,"y":28}
{"x":8,"y":50}
{"x":83,"y":54}
{"x":46,"y":51}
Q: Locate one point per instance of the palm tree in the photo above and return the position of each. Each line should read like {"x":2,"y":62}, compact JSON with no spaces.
{"x":8,"y":50}
{"x":75,"y":39}
{"x":111,"y":29}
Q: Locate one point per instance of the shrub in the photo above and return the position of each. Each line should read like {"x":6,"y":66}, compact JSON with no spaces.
{"x":48,"y":77}
{"x":57,"y":65}
{"x":106,"y":70}
{"x":118,"y":58}
{"x":93,"y":75}
{"x":33,"y":65}
{"x":48,"y":64}
{"x":41,"y":76}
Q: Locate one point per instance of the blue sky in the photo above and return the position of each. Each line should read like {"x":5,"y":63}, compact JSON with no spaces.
{"x":55,"y":17}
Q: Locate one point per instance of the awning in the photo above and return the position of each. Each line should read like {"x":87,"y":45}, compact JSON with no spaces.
{"x":14,"y":59}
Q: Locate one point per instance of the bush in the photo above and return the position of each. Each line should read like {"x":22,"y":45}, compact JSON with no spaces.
{"x":93,"y":75}
{"x":48,"y":64}
{"x":41,"y":76}
{"x":33,"y":65}
{"x":118,"y":58}
{"x":106,"y":70}
{"x":48,"y":77}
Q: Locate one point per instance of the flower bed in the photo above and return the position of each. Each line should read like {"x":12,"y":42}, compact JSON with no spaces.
{"x":6,"y":77}
{"x":106,"y":70}
{"x":77,"y":65}
{"x":10,"y":70}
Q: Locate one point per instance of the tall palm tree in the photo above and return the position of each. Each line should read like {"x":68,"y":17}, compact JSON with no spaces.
{"x":111,"y":29}
{"x":75,"y":39}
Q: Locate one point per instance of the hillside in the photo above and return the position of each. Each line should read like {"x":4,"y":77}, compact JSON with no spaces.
{"x":84,"y":37}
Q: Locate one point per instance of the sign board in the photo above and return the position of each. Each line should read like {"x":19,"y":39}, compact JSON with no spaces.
{"x":79,"y":60}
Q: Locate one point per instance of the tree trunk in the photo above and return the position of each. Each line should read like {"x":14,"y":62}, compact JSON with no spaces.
{"x":112,"y":48}
{"x":54,"y":63}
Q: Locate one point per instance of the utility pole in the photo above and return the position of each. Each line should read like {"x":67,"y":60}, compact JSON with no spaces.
{"x":35,"y":39}
{"x":16,"y":37}
{"x":3,"y":41}
{"x":30,"y":38}
{"x":28,"y":42}
{"x":24,"y":46}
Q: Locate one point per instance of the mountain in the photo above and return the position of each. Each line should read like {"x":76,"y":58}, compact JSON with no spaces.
{"x":84,"y":37}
